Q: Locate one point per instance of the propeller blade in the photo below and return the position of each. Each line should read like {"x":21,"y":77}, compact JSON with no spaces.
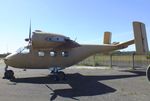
{"x":29,"y":38}
{"x":30,"y":31}
{"x":75,"y":39}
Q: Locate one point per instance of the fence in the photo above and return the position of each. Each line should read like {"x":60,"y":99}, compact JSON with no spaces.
{"x":130,"y":60}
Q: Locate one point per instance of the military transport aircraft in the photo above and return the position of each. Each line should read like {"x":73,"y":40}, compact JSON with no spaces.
{"x":56,"y":52}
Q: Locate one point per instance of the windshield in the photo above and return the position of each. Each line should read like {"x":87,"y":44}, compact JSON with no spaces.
{"x":23,"y":50}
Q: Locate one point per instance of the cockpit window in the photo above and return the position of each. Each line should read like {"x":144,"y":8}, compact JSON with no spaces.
{"x":23,"y":50}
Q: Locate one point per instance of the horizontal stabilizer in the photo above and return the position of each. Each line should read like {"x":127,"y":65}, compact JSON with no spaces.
{"x":125,"y":44}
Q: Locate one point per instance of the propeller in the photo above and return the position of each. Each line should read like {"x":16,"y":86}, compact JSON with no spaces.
{"x":75,"y":39}
{"x":30,"y":32}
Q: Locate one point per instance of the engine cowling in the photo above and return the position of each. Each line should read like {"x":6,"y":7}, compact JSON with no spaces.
{"x":45,"y":40}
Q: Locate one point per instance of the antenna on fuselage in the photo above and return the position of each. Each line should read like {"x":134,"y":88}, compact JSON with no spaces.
{"x":7,"y":48}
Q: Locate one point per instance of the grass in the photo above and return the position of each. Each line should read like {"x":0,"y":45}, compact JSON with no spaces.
{"x":105,"y":60}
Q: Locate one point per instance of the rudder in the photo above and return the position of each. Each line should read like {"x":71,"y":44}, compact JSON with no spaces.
{"x":141,"y":43}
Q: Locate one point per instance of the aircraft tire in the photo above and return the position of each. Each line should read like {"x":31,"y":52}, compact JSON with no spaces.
{"x":9,"y":74}
{"x":56,"y":78}
{"x":61,"y":75}
{"x":148,"y":73}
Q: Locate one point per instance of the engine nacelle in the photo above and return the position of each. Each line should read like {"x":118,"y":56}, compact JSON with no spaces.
{"x":44,"y":40}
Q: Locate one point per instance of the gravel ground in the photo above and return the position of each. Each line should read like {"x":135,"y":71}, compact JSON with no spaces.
{"x":82,"y":84}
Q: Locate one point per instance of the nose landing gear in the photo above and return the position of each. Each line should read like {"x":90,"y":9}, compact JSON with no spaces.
{"x":9,"y":74}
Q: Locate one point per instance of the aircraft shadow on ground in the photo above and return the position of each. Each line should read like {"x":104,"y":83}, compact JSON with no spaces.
{"x":80,"y":85}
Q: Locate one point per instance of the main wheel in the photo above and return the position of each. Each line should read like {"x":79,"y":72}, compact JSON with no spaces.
{"x":148,"y":73}
{"x":9,"y":74}
{"x":61,"y":75}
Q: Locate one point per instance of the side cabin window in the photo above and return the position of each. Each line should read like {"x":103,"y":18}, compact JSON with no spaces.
{"x":41,"y":53}
{"x":53,"y":53}
{"x":64,"y":54}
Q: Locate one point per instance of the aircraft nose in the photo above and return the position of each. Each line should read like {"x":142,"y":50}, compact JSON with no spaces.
{"x":7,"y":59}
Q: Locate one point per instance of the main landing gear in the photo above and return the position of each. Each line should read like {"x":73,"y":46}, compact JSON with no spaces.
{"x":9,"y":74}
{"x":58,"y":75}
{"x":148,"y":73}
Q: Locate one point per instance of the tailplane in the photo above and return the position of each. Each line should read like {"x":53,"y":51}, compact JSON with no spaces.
{"x":140,"y":39}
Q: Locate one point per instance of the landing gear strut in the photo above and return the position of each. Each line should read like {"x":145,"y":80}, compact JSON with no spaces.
{"x":58,"y":75}
{"x":148,"y":73}
{"x":9,"y":74}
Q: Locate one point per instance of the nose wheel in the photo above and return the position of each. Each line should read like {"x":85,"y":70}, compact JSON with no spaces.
{"x":9,"y":74}
{"x":148,"y":73}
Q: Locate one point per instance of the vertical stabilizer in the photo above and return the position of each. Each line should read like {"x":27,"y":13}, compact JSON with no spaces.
{"x":107,"y":38}
{"x":140,"y":38}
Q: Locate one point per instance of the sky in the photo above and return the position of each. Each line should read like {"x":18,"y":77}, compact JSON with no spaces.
{"x":82,"y":20}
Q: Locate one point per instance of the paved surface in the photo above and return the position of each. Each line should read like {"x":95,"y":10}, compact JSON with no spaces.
{"x":81,"y":85}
